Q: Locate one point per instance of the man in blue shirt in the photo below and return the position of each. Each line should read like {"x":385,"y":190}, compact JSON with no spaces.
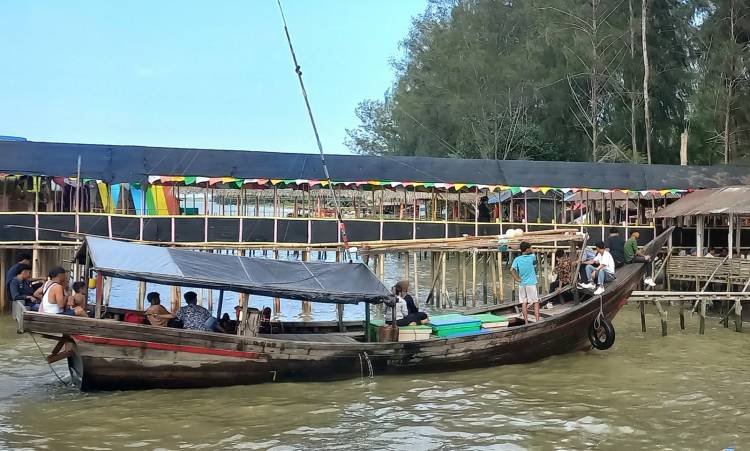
{"x":523,"y":271}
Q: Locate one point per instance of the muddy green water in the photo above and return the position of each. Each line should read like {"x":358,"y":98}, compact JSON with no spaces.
{"x":684,"y":391}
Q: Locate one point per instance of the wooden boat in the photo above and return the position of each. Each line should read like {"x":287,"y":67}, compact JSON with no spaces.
{"x":108,"y":354}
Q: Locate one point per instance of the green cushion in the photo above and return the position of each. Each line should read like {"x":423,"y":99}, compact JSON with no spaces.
{"x":490,"y":318}
{"x":448,"y":331}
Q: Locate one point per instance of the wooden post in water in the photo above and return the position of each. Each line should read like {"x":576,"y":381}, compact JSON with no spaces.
{"x":305,"y":258}
{"x":458,"y":278}
{"x":415,"y":290}
{"x":443,"y":291}
{"x":3,"y":293}
{"x":474,"y":278}
{"x":702,"y":326}
{"x":175,"y":292}
{"x":494,"y":277}
{"x":642,"y":308}
{"x":682,"y":316}
{"x":340,"y":307}
{"x":139,"y":295}
{"x":484,"y":279}
{"x":663,"y":317}
{"x":463,"y":278}
{"x":99,"y":295}
{"x":500,"y":275}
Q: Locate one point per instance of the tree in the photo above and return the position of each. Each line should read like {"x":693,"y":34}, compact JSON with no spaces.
{"x":646,"y":111}
{"x":564,"y":80}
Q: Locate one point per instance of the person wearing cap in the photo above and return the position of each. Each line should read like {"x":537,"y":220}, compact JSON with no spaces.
{"x":600,"y":271}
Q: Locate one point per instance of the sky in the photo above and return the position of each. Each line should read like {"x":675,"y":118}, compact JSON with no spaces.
{"x":187,"y":73}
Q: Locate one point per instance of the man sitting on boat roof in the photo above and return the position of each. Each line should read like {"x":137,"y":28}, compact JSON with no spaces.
{"x":602,"y":270}
{"x":193,"y":316}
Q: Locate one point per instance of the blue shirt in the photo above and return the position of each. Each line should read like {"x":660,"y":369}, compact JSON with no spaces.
{"x":524,"y":265}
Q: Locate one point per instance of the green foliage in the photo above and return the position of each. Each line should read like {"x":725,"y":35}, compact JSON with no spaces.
{"x":558,"y":80}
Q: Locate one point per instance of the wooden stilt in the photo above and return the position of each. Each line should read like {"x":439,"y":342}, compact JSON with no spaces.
{"x":495,"y":293}
{"x":738,"y":315}
{"x":415,"y":290}
{"x":682,"y":316}
{"x":443,"y":292}
{"x":663,"y":317}
{"x":305,"y":304}
{"x":463,"y":278}
{"x":140,"y":295}
{"x":642,"y":308}
{"x":501,"y":288}
{"x":484,"y":279}
{"x":458,"y":279}
{"x":474,"y":278}
{"x":702,"y":327}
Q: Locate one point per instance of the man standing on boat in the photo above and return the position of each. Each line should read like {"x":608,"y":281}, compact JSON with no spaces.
{"x":523,"y":271}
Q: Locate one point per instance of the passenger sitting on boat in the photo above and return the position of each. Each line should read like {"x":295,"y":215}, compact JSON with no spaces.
{"x":193,"y":316}
{"x":616,"y":247}
{"x":78,"y":300}
{"x":53,"y":293}
{"x":265,"y":321}
{"x":157,"y":314}
{"x":563,"y":270}
{"x":523,"y":271}
{"x":587,"y":258}
{"x":711,"y":252}
{"x":599,"y":272}
{"x":403,"y":317}
{"x":403,"y":286}
{"x":228,"y":325}
{"x":633,"y":255}
{"x":20,"y":288}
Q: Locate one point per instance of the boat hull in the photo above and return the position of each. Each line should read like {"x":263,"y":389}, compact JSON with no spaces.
{"x":106,"y":362}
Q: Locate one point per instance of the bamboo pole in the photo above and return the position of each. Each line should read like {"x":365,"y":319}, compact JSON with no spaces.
{"x":416,"y":279}
{"x":474,"y":278}
{"x":484,"y":279}
{"x":500,"y":275}
{"x":491,"y":262}
{"x":463,"y":278}
{"x":139,"y":296}
{"x":443,"y":291}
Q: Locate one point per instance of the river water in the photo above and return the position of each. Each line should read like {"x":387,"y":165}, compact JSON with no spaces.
{"x":684,"y":391}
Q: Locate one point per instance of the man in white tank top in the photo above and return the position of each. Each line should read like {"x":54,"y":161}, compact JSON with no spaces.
{"x":53,"y":292}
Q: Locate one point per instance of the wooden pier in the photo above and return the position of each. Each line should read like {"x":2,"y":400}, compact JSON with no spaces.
{"x":695,"y":301}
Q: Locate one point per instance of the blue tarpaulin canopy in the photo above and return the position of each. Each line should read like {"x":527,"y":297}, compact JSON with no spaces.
{"x":337,"y":283}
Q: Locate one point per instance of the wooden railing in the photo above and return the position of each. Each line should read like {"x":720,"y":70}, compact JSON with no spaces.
{"x":58,"y":228}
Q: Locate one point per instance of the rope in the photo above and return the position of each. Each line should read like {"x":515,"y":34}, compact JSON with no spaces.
{"x":600,"y":316}
{"x":45,"y":359}
{"x":298,"y":71}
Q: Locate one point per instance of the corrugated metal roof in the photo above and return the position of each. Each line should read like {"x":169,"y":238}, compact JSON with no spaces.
{"x":716,"y":201}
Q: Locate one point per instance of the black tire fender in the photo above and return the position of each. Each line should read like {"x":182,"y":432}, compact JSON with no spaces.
{"x":602,"y":334}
